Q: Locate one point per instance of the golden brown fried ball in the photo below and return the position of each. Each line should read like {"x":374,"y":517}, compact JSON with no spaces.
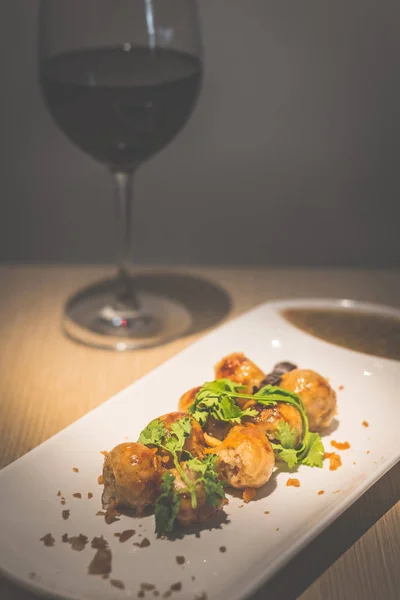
{"x":213,"y":427}
{"x":268,"y":418}
{"x":187,"y":399}
{"x":318,"y":396}
{"x":132,"y":476}
{"x":240,"y":369}
{"x":246,"y":458}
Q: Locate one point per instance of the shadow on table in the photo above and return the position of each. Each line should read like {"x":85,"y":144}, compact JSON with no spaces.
{"x":306,"y":567}
{"x":207,"y":302}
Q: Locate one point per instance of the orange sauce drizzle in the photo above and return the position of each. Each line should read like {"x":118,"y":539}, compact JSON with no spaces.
{"x":293,"y":482}
{"x":334,"y":460}
{"x":340,"y":445}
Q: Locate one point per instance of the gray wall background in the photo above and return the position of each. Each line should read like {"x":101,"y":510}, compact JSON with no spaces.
{"x":292,"y":155}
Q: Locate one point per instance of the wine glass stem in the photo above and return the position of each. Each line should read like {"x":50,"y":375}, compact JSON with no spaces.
{"x":123,"y":185}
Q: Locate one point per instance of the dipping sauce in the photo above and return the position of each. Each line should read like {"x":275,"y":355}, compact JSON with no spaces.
{"x":361,"y":331}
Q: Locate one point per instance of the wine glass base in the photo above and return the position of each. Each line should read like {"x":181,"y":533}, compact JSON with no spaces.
{"x":96,"y":318}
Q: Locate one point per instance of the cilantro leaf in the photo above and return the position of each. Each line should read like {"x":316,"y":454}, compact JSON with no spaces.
{"x":220,"y":385}
{"x":286,"y":435}
{"x":289,"y":455}
{"x":197,"y":465}
{"x":172,"y":439}
{"x":217,"y":399}
{"x":214,"y":491}
{"x":310,"y":453}
{"x":154,"y":433}
{"x":207,"y":474}
{"x":167,"y":505}
{"x":314,"y":451}
{"x":176,"y":435}
{"x":270,"y":394}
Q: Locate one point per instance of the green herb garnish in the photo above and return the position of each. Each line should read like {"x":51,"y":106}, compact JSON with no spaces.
{"x":206,"y":470}
{"x":173,"y":440}
{"x":218,"y":399}
{"x":311,"y":450}
{"x":167,"y":504}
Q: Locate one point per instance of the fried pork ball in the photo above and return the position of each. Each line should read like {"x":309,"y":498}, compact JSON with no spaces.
{"x":318,"y":396}
{"x":238,"y":368}
{"x":187,"y":515}
{"x":213,"y":427}
{"x":187,"y":399}
{"x":268,"y":418}
{"x":132,"y":476}
{"x":195,"y":442}
{"x":246,"y":458}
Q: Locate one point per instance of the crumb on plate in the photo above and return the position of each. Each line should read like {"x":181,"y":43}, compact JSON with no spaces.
{"x":101,"y":562}
{"x":117,"y":583}
{"x":143,"y":544}
{"x":48,"y":540}
{"x":126,"y":535}
{"x":147,"y":587}
{"x":77,"y":542}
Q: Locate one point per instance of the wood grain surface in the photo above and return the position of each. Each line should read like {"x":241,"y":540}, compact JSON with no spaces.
{"x":47,"y":382}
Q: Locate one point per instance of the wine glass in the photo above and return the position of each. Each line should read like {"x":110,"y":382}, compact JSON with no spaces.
{"x":121,"y":78}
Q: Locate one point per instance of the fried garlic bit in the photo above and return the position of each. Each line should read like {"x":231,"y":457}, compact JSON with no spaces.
{"x":132,"y":476}
{"x":318,"y":396}
{"x":246,"y":458}
{"x":240,"y":369}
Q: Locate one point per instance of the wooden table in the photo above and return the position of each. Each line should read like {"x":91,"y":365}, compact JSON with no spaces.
{"x":47,"y":382}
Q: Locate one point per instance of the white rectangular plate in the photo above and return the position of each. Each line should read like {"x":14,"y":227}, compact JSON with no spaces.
{"x":257,"y":544}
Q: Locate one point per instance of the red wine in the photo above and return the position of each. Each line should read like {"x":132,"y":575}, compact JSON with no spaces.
{"x":121,"y":106}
